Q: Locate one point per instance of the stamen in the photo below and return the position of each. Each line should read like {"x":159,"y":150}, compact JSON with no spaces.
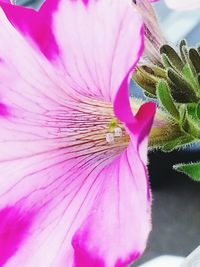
{"x":110,"y":138}
{"x":114,"y":130}
{"x":118,"y":132}
{"x":113,"y":125}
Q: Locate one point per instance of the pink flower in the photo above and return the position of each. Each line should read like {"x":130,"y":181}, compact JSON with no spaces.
{"x":6,"y":1}
{"x":74,"y":188}
{"x":183,"y":4}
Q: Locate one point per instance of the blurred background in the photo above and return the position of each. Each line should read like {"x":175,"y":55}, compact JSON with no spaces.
{"x":176,"y":199}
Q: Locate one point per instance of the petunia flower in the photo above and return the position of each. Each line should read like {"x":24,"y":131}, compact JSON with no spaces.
{"x":6,"y":1}
{"x":73,"y":179}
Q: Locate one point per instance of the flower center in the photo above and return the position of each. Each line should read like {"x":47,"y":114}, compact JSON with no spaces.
{"x":115,"y":130}
{"x":89,"y":127}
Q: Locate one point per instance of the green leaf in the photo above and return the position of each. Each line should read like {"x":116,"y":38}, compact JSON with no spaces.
{"x":198,"y":111}
{"x":158,"y":71}
{"x":165,"y":98}
{"x":184,"y":51}
{"x":192,"y":170}
{"x":177,"y":143}
{"x":189,"y":124}
{"x":195,"y":59}
{"x":148,"y":95}
{"x":145,"y":80}
{"x":173,"y":57}
{"x":165,"y":61}
{"x":191,"y":77}
{"x":183,"y":91}
{"x":194,"y":111}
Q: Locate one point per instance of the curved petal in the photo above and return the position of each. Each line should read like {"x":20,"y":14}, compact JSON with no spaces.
{"x":36,"y":26}
{"x":54,"y":117}
{"x":95,"y":60}
{"x":96,"y":48}
{"x":183,"y":4}
{"x":116,"y":230}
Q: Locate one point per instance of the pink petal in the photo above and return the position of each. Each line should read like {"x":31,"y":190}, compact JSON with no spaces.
{"x":6,"y":1}
{"x":35,"y":25}
{"x":183,"y":4}
{"x":88,"y":31}
{"x":116,"y":231}
{"x":95,"y":47}
{"x":13,"y":228}
{"x":53,"y":114}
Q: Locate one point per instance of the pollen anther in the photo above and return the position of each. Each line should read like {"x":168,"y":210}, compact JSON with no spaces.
{"x":110,"y":138}
{"x":118,"y":132}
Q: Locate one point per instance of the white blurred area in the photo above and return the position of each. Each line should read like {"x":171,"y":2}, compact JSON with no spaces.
{"x":164,"y":261}
{"x":179,"y":25}
{"x":193,"y":260}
